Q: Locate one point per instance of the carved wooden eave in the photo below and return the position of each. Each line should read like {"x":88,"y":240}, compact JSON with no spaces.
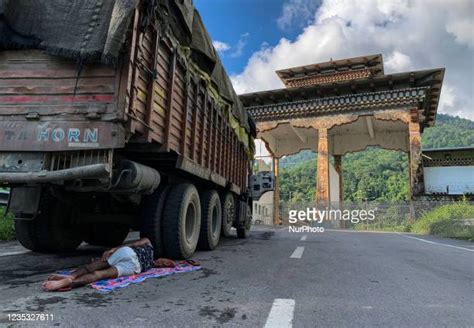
{"x":326,"y":122}
{"x":334,"y":70}
{"x":360,"y":103}
{"x":458,"y":156}
{"x":388,"y":129}
{"x":420,"y":88}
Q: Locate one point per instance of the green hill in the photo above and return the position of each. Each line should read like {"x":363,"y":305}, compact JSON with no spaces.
{"x":373,"y":174}
{"x":449,"y":131}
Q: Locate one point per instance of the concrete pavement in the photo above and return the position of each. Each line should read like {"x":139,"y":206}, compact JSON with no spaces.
{"x":336,"y":279}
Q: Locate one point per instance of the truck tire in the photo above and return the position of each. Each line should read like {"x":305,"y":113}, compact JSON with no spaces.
{"x":106,"y":234}
{"x":211,"y":219}
{"x":181,"y":221}
{"x":243,"y":231}
{"x":152,"y":217}
{"x":51,"y":229}
{"x":228,"y":214}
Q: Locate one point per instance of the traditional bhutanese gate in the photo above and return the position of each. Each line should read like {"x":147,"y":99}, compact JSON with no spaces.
{"x":344,"y":106}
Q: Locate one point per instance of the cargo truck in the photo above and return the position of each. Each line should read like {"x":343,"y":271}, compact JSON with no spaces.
{"x":118,"y":115}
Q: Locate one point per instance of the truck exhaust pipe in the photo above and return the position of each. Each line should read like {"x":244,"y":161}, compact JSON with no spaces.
{"x":94,"y":171}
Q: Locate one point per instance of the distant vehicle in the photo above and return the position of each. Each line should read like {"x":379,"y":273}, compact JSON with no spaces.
{"x":260,"y":183}
{"x":142,"y":131}
{"x":4,"y":194}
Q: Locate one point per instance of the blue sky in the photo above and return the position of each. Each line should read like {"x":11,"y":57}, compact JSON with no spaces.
{"x":257,"y":37}
{"x":245,"y":25}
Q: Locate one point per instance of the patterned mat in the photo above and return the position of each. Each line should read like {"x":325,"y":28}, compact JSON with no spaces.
{"x":108,"y":285}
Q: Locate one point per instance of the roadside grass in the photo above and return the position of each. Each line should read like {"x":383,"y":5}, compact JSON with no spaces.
{"x":444,"y":221}
{"x":374,"y":227}
{"x":7,"y":230}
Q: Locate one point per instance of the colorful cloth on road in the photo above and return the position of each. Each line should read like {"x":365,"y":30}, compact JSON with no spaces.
{"x":108,"y":285}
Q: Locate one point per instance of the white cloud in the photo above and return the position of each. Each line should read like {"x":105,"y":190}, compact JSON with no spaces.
{"x":411,"y":35}
{"x":221,"y":46}
{"x":398,"y":61}
{"x":235,"y":50}
{"x":297,"y":13}
{"x":238,"y":49}
{"x":463,"y":31}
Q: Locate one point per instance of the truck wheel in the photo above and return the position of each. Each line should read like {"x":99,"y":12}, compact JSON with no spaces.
{"x":181,"y":221}
{"x":51,"y":229}
{"x":228,"y":214}
{"x":243,"y":231}
{"x":211,"y":218}
{"x":106,"y":234}
{"x":151,"y":219}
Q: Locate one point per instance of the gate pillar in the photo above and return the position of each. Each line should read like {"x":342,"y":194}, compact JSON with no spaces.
{"x":322,"y":179}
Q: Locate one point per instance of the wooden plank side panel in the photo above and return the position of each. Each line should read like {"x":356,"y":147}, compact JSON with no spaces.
{"x":178,"y":105}
{"x":217,"y":128}
{"x":150,"y":42}
{"x":221,"y":146}
{"x":215,"y":138}
{"x":170,"y":141}
{"x":229,"y":153}
{"x":226,"y":152}
{"x":203,"y":140}
{"x":141,"y":111}
{"x":199,"y":126}
{"x":195,"y":123}
{"x":211,"y":139}
{"x":31,"y":77}
{"x":232,"y":154}
{"x":28,"y":64}
{"x":239,"y":165}
{"x":236,"y":159}
{"x":160,"y":89}
{"x":187,"y":120}
{"x":218,"y":143}
{"x":242,"y":167}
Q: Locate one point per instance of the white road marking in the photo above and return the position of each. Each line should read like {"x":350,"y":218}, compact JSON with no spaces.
{"x":298,"y":253}
{"x":304,"y":238}
{"x":13,"y":253}
{"x":281,"y":314}
{"x":435,"y":243}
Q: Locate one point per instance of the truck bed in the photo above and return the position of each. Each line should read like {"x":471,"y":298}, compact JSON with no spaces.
{"x":150,"y":104}
{"x":46,"y":104}
{"x":176,"y":112}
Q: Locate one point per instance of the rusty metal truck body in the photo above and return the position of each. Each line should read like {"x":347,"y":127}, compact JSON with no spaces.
{"x":90,"y":146}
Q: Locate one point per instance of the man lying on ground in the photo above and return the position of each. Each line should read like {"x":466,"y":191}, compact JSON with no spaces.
{"x":130,"y":258}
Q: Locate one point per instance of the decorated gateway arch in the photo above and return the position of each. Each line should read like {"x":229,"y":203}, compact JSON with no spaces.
{"x":343,"y":106}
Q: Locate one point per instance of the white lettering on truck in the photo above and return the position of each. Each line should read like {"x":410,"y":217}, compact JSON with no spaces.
{"x":72,"y":135}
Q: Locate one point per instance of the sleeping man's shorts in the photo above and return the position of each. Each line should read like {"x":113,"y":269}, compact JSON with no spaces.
{"x":126,"y":261}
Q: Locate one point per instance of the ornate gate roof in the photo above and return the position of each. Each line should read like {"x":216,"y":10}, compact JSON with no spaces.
{"x":354,"y":85}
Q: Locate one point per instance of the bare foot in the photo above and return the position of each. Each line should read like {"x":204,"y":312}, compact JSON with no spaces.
{"x":57,"y":276}
{"x":52,"y":285}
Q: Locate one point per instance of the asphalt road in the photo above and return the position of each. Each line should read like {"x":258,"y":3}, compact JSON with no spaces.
{"x":330,"y":279}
